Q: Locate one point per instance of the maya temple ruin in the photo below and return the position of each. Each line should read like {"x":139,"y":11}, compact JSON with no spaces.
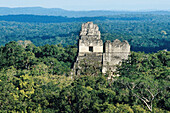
{"x":104,"y":55}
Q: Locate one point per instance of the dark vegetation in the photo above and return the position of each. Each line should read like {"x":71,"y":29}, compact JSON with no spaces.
{"x":144,"y":32}
{"x":59,"y":19}
{"x":37,"y":79}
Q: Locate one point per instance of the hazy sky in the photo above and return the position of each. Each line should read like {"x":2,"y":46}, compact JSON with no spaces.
{"x":91,"y":4}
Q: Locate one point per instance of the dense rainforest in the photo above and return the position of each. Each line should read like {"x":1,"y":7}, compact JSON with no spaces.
{"x":35,"y":75}
{"x":144,"y":32}
{"x":37,"y":79}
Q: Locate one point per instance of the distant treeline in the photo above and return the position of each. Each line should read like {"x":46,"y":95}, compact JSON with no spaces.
{"x":59,"y":19}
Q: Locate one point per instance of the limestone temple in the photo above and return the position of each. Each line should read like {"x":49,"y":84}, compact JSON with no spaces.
{"x":91,"y":47}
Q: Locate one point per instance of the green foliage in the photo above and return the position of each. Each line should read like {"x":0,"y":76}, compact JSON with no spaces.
{"x":15,"y":55}
{"x":50,"y":59}
{"x":123,"y":109}
{"x":146,"y":77}
{"x":36,"y":79}
{"x":86,"y":94}
{"x":144,"y":32}
{"x":138,"y":109}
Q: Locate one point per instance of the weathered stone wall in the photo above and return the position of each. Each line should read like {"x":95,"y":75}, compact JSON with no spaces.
{"x":90,"y":37}
{"x":115,"y":52}
{"x":91,"y":49}
{"x":90,"y":29}
{"x":85,"y":44}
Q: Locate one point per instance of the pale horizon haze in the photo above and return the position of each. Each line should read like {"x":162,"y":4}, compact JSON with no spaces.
{"x":84,"y":5}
